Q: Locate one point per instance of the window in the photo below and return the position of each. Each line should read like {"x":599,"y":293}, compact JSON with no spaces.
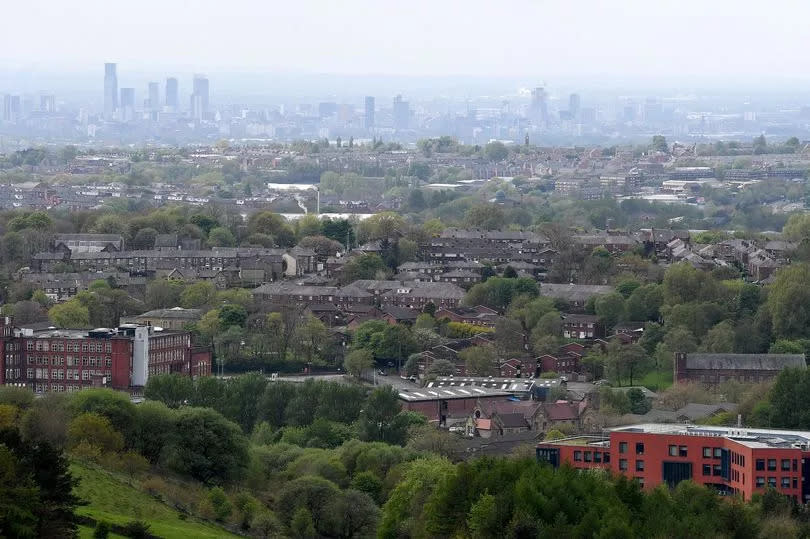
{"x":673,"y":451}
{"x":718,"y":452}
{"x":588,"y":455}
{"x":760,"y":465}
{"x":772,"y":482}
{"x":707,"y":452}
{"x":786,"y":482}
{"x":577,"y":456}
{"x":682,"y":451}
{"x":639,"y":465}
{"x":622,"y":447}
{"x":607,"y":458}
{"x":794,"y":465}
{"x":707,"y":469}
{"x":623,"y":465}
{"x":785,"y":465}
{"x":597,"y":456}
{"x":717,"y":470}
{"x":639,"y":448}
{"x":771,"y":465}
{"x":795,"y":483}
{"x":760,"y":481}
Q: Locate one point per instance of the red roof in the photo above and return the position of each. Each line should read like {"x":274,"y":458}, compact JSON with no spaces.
{"x":561,"y":411}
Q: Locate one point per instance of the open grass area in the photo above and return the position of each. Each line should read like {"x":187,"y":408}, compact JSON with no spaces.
{"x":112,"y":499}
{"x":657,"y":381}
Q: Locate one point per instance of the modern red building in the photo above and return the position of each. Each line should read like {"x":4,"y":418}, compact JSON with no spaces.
{"x":732,"y":460}
{"x":59,"y":360}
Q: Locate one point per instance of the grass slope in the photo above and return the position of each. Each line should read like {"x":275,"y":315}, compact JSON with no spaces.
{"x":113,"y":500}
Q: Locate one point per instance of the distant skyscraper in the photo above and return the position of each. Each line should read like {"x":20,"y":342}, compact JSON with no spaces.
{"x":154,"y":96}
{"x":172,"y":101}
{"x":573,"y":105}
{"x":11,"y":108}
{"x":47,"y":103}
{"x":369,"y":117}
{"x":538,"y":110}
{"x":110,"y":91}
{"x":401,"y":113}
{"x":127,"y":105}
{"x":199,"y":98}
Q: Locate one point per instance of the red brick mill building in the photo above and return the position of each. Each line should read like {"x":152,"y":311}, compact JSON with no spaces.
{"x":731,"y":460}
{"x":61,"y":360}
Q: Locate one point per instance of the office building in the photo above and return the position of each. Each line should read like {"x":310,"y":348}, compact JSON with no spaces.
{"x":538,"y":109}
{"x":327,"y":109}
{"x":172,"y":95}
{"x":110,"y":91}
{"x":61,"y":360}
{"x":731,"y":460}
{"x":47,"y":103}
{"x":154,"y":96}
{"x":199,"y":98}
{"x":574,"y":105}
{"x":126,"y":106}
{"x":369,"y":116}
{"x":401,"y":113}
{"x":12,"y":109}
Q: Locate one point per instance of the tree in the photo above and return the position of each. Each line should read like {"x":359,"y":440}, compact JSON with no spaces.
{"x":173,"y":390}
{"x":219,"y":503}
{"x":207,"y":447}
{"x":115,"y":406}
{"x":221,"y":237}
{"x":789,"y":302}
{"x":482,"y":520}
{"x":382,"y":418}
{"x":302,"y":524}
{"x":609,"y":309}
{"x":197,"y":294}
{"x":719,"y":339}
{"x":365,"y":266}
{"x":163,"y":293}
{"x":232,"y":315}
{"x":496,"y":151}
{"x":144,"y":239}
{"x":638,"y":402}
{"x":71,"y":314}
{"x":441,"y":367}
{"x":358,"y":361}
{"x":95,"y":431}
{"x":479,"y":360}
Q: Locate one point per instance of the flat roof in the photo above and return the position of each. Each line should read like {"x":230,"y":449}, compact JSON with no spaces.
{"x":751,"y":437}
{"x":449,"y":393}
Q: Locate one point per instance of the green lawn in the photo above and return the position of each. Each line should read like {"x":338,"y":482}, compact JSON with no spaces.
{"x":657,"y":381}
{"x":113,"y":500}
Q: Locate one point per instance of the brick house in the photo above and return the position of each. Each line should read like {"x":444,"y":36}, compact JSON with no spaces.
{"x":713,"y":369}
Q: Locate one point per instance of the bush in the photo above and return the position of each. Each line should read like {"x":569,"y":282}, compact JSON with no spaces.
{"x":220,"y":504}
{"x":154,"y":486}
{"x":137,"y":529}
{"x":102,"y":530}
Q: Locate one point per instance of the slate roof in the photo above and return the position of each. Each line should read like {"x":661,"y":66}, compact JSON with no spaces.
{"x":753,"y":362}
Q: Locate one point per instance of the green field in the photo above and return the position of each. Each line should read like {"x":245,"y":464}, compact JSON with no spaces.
{"x":657,"y":381}
{"x":113,"y":500}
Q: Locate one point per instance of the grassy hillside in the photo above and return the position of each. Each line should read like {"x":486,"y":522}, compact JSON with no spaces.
{"x":114,"y":500}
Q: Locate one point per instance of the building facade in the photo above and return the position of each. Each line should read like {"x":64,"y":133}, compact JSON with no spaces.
{"x":730,"y":460}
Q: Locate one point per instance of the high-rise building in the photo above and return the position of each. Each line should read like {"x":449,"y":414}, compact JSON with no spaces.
{"x":401,"y":113}
{"x":538,"y":110}
{"x":199,"y":98}
{"x":127,"y":105}
{"x":573,"y":105}
{"x":11,"y":108}
{"x":154,"y":96}
{"x":47,"y":103}
{"x":110,"y":91}
{"x":369,"y":116}
{"x":172,"y":100}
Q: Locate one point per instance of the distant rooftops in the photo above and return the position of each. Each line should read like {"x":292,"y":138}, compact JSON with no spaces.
{"x":429,"y":394}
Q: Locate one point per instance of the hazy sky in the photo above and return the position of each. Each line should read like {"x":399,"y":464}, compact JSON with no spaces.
{"x":540,"y":39}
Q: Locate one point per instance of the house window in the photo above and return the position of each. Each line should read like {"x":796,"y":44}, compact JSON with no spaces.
{"x":707,"y":469}
{"x":760,"y":481}
{"x":597,"y":456}
{"x":786,"y":482}
{"x":588,"y":455}
{"x":772,"y":482}
{"x":673,"y":451}
{"x":623,"y":465}
{"x":771,"y":465}
{"x":622,"y":447}
{"x":785,"y":465}
{"x":682,"y":451}
{"x":607,"y":458}
{"x":707,"y":452}
{"x":577,"y":456}
{"x":760,"y":465}
{"x":717,"y":470}
{"x":718,"y":452}
{"x":639,"y":465}
{"x":639,"y":448}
